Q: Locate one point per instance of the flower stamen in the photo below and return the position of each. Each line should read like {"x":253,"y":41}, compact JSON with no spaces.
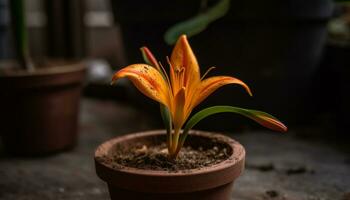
{"x":166,"y":75}
{"x":207,"y":72}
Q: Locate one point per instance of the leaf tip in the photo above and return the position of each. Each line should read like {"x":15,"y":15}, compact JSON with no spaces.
{"x":283,"y":128}
{"x":279,"y":126}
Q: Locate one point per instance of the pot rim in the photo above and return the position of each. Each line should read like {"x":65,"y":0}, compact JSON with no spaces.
{"x":180,"y":181}
{"x":60,"y":68}
{"x":59,"y":75}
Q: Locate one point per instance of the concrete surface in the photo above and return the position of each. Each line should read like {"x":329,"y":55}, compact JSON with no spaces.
{"x":278,"y":166}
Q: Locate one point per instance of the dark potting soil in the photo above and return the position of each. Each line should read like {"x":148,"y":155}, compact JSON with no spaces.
{"x":155,"y":157}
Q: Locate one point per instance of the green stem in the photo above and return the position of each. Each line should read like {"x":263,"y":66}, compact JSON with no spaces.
{"x":178,"y":148}
{"x":169,"y":140}
{"x":20,"y":34}
{"x":182,"y":140}
{"x":166,"y":117}
{"x":174,"y":150}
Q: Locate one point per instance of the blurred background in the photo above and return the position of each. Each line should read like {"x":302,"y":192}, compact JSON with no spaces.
{"x":294,"y":55}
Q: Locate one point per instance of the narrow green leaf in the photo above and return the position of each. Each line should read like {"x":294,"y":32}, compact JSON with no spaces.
{"x":262,"y":118}
{"x":164,"y":111}
{"x":20,"y":33}
{"x":198,"y":23}
{"x":166,"y":117}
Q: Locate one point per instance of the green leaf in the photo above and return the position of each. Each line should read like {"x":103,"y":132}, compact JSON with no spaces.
{"x":198,"y":23}
{"x":166,"y":117}
{"x":20,"y":33}
{"x":164,"y":111}
{"x":260,"y":117}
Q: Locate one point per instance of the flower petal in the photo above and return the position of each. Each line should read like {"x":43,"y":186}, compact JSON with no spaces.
{"x":179,"y":111}
{"x":148,"y":80}
{"x":149,"y":57}
{"x":183,"y":57}
{"x":209,"y":85}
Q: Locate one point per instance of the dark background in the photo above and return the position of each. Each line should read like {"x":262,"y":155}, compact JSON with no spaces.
{"x":294,"y":55}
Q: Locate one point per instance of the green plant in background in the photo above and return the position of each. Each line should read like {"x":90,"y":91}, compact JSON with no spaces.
{"x":181,"y":91}
{"x":20,"y":34}
{"x":198,"y":23}
{"x":339,"y":27}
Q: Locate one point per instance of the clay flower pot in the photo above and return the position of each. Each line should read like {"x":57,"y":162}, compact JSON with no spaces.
{"x":208,"y":183}
{"x":39,"y":109}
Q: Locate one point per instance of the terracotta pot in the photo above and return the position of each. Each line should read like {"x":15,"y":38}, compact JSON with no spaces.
{"x":39,"y":110}
{"x":207,"y":183}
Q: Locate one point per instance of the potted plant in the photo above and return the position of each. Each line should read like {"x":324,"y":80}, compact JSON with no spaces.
{"x":39,"y":101}
{"x":176,"y":163}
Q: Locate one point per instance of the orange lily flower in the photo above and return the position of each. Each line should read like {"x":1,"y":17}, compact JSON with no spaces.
{"x":184,"y":90}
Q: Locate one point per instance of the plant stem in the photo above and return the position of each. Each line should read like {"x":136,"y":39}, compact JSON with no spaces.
{"x":169,"y":140}
{"x":177,"y":150}
{"x":173,"y":151}
{"x":20,"y":34}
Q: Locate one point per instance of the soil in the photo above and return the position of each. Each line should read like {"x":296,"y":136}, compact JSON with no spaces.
{"x":155,"y":157}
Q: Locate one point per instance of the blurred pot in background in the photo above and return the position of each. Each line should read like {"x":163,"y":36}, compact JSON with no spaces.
{"x":274,"y":46}
{"x":39,"y":99}
{"x":39,"y":109}
{"x":335,"y":69}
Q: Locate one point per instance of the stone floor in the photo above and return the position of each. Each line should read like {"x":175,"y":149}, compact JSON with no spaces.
{"x":278,"y":167}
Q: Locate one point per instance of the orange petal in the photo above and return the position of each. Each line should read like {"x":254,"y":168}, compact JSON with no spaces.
{"x":179,"y":109}
{"x":183,"y":57}
{"x":148,"y":80}
{"x":209,"y":85}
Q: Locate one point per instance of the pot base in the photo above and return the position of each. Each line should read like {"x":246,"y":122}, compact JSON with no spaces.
{"x":219,"y":193}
